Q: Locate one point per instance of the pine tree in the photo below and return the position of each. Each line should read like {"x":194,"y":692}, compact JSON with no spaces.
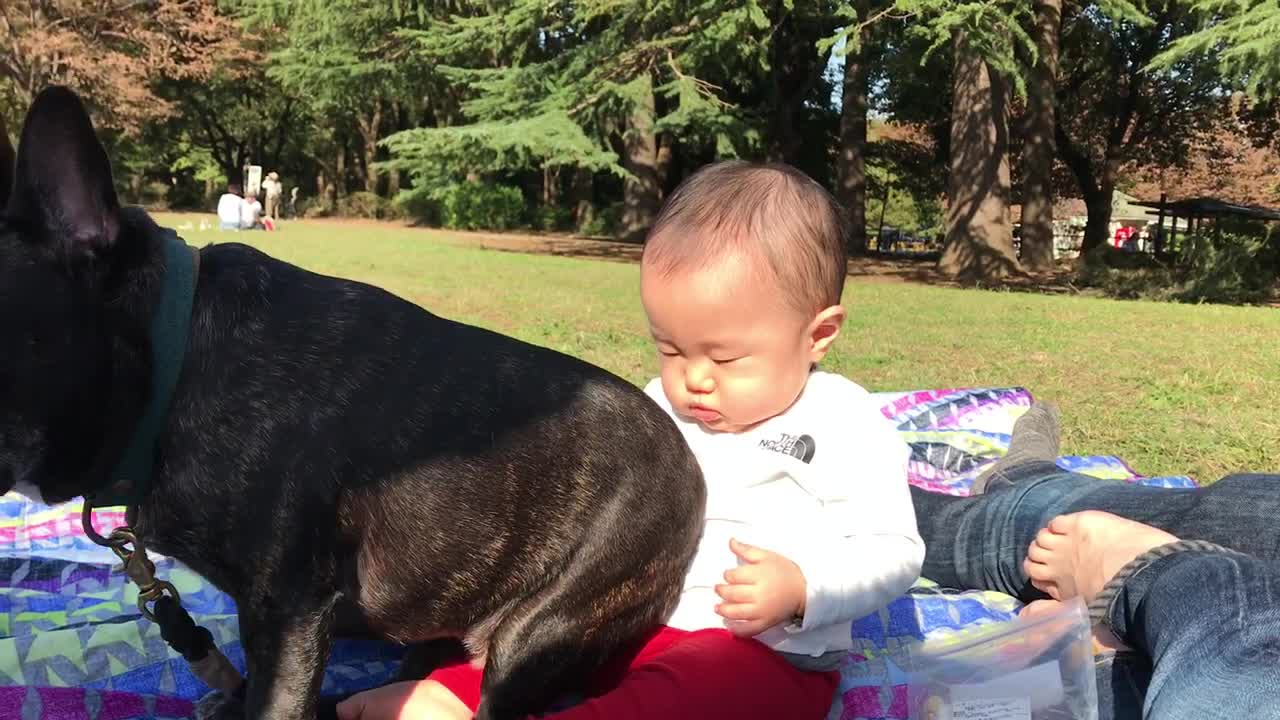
{"x":601,"y":86}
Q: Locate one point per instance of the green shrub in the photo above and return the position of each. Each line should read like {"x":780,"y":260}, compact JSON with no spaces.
{"x":1228,"y":268}
{"x":418,"y":206}
{"x":313,"y":208}
{"x":1217,"y":268}
{"x":552,"y":218}
{"x":362,"y":205}
{"x":187,"y":194}
{"x":602,"y":222}
{"x":480,"y":206}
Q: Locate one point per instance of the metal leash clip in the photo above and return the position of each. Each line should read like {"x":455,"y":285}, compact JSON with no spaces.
{"x":135,"y":562}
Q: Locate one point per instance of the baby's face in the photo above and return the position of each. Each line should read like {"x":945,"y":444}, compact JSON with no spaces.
{"x":733,"y":353}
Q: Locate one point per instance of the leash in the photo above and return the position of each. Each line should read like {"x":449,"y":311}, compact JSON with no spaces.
{"x":193,"y":642}
{"x":158,"y":600}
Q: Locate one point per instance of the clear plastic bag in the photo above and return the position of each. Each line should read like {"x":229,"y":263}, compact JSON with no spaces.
{"x":1038,"y":668}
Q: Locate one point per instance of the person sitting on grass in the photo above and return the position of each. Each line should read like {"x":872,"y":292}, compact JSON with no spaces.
{"x":229,"y":208}
{"x":251,"y":217}
{"x":250,"y":212}
{"x":809,"y":523}
{"x":1183,"y":584}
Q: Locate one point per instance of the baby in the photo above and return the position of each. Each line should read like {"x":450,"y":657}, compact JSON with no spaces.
{"x":809,"y":517}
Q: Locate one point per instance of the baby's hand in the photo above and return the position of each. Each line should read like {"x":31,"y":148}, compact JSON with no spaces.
{"x":766,"y":590}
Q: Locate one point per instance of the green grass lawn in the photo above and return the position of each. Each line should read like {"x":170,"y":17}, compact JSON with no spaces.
{"x":1171,"y":388}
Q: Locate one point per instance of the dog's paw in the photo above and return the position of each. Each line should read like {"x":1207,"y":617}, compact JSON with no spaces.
{"x":217,"y":705}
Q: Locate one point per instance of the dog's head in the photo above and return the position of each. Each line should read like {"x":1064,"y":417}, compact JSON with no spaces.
{"x":63,"y":261}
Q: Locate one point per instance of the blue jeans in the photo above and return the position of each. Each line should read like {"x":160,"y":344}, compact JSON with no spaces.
{"x":1206,"y":625}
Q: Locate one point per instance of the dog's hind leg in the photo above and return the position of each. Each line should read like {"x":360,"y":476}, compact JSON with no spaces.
{"x":556,"y":643}
{"x":535,"y":657}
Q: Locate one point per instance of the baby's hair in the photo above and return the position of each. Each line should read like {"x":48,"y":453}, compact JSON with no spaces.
{"x":770,"y":212}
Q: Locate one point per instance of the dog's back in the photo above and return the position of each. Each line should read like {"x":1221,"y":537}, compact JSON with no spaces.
{"x":451,"y":481}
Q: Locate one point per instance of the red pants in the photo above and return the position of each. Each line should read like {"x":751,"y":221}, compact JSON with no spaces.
{"x":679,"y":675}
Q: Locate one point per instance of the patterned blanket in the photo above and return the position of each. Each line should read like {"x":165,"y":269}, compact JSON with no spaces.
{"x":73,"y":646}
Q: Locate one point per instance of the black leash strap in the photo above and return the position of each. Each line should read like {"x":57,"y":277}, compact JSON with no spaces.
{"x":159,"y":602}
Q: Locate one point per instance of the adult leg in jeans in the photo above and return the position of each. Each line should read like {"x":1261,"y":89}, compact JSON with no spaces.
{"x":1210,"y":622}
{"x":980,"y":541}
{"x":1206,"y":617}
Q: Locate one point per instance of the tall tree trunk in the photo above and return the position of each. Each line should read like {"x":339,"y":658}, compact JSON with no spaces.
{"x":1097,"y":228}
{"x":339,"y":174}
{"x":851,"y":163}
{"x":369,"y":126}
{"x":640,"y":190}
{"x":1039,"y":148}
{"x":582,"y":195}
{"x":393,"y":182}
{"x":551,"y":186}
{"x":791,"y":60}
{"x":662,"y":164}
{"x":979,"y":237}
{"x":403,"y":120}
{"x":7,"y":167}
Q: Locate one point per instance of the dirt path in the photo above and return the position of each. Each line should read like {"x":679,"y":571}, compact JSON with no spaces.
{"x":875,"y":268}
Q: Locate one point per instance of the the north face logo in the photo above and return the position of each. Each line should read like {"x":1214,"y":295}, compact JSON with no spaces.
{"x":797,"y":446}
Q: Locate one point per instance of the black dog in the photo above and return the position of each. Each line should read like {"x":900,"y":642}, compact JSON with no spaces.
{"x":328,"y":446}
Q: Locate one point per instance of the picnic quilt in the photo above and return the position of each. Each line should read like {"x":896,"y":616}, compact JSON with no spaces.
{"x":74,"y":647}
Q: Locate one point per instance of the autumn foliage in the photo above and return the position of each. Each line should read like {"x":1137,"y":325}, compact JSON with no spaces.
{"x":112,"y":51}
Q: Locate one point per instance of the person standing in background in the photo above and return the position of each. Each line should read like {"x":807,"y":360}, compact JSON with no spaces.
{"x":273,"y":189}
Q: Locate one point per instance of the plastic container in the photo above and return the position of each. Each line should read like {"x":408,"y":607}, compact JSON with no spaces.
{"x":1038,"y":668}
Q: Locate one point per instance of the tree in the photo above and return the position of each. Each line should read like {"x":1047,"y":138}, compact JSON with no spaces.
{"x":641,"y":192}
{"x":794,"y":71}
{"x":986,"y":41}
{"x":851,"y":151}
{"x":7,"y":160}
{"x":1121,"y":111}
{"x":904,"y":188}
{"x":1231,"y":165}
{"x":1243,"y":36}
{"x":603,"y":85}
{"x":1039,"y":149}
{"x":979,"y":241}
{"x":851,"y":171}
{"x":239,"y":115}
{"x":349,"y":62}
{"x":111,"y":52}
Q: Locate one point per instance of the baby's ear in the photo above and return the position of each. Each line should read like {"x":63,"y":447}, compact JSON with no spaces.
{"x":823,"y":331}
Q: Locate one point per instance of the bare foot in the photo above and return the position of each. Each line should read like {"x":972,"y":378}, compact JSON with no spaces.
{"x":1103,"y":638}
{"x":1078,"y":554}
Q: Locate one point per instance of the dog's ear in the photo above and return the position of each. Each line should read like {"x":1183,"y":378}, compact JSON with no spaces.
{"x":62,"y":188}
{"x":6,"y":166}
